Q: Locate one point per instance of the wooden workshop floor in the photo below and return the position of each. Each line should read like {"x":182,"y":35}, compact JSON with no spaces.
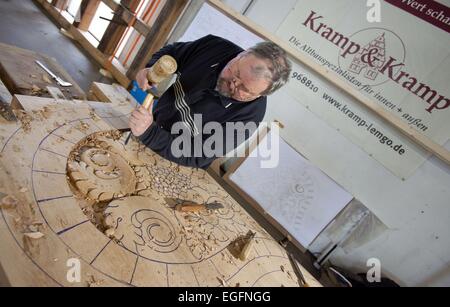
{"x":24,"y":25}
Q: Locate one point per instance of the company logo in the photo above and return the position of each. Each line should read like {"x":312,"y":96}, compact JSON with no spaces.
{"x":379,"y":45}
{"x":380,"y":53}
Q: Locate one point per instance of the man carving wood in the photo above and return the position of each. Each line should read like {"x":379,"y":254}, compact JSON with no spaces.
{"x":217,"y":82}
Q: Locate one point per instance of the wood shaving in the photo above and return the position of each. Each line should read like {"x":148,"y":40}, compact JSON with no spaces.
{"x":37,"y":91}
{"x":110,"y":232}
{"x":46,"y":79}
{"x":109,"y":221}
{"x":223,"y":282}
{"x":43,"y":113}
{"x":92,"y":282}
{"x":94,"y":116}
{"x":33,"y":228}
{"x":9,"y":202}
{"x":34,"y":235}
{"x":25,"y":119}
{"x":83,"y":127}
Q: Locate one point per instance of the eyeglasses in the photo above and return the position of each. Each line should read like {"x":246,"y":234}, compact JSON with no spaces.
{"x":240,"y":91}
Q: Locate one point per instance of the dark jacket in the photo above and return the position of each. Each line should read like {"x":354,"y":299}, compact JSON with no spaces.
{"x":199,"y":66}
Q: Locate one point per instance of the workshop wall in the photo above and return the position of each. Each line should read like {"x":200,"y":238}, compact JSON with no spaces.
{"x":415,"y":249}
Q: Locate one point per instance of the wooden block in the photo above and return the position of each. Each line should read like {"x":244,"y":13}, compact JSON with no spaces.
{"x":114,"y":93}
{"x":152,"y":245}
{"x":115,"y":116}
{"x":23,"y":76}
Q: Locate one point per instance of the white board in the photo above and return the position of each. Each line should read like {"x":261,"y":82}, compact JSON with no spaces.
{"x":210,"y":21}
{"x":298,"y":195}
{"x":393,"y":41}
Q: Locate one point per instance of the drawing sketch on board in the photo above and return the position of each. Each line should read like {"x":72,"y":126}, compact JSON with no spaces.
{"x":296,"y":194}
{"x":210,"y":21}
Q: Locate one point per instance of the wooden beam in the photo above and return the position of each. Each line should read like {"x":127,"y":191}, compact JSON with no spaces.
{"x":60,"y":4}
{"x":114,"y":94}
{"x":418,"y":138}
{"x":84,"y":42}
{"x":116,"y":28}
{"x":87,"y":11}
{"x":128,"y":16}
{"x":5,"y":103}
{"x":158,"y":35}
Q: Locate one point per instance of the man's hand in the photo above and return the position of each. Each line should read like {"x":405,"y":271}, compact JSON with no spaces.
{"x":141,"y":79}
{"x":140,"y":121}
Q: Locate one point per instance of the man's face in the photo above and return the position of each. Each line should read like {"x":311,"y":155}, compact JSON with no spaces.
{"x":238,"y":80}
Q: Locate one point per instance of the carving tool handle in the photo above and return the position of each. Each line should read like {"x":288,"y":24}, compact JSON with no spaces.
{"x":190,"y":207}
{"x":161,"y":70}
{"x":148,"y":102}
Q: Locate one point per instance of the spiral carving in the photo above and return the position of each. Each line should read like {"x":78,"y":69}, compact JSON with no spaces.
{"x":102,"y":175}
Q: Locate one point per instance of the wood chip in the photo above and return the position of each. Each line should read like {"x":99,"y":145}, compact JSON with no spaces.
{"x":33,"y":228}
{"x":34,"y":235}
{"x":35,"y":88}
{"x":46,"y":79}
{"x":110,"y":232}
{"x":9,"y":202}
{"x":23,"y":190}
{"x":25,"y":119}
{"x":109,"y":221}
{"x":92,"y":282}
{"x":223,"y":282}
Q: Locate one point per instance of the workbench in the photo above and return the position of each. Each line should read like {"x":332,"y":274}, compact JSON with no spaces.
{"x":71,"y":191}
{"x":21,"y":75}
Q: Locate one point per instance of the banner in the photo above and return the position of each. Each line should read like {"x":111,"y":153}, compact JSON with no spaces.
{"x":402,"y":63}
{"x":430,"y":11}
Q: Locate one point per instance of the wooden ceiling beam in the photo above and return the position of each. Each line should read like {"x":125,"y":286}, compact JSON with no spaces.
{"x":158,"y":35}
